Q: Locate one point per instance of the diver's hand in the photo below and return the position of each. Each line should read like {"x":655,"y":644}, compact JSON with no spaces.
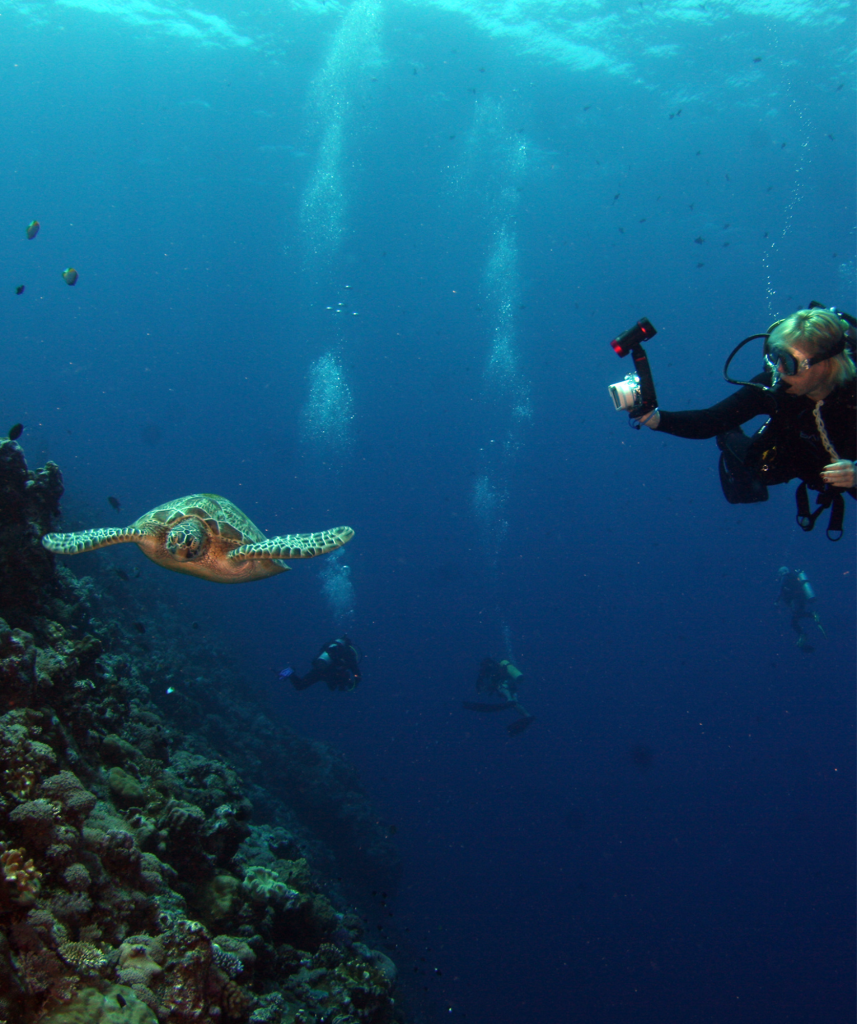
{"x":651,"y":419}
{"x":840,"y":474}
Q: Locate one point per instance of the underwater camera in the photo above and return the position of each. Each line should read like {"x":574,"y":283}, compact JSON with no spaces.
{"x":636,"y":392}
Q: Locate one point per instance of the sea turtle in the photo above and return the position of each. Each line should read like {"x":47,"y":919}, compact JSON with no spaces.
{"x":204,"y":535}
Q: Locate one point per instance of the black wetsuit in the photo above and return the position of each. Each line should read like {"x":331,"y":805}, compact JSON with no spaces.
{"x":792,"y":435}
{"x":794,"y":596}
{"x":336,"y":663}
{"x":501,"y":678}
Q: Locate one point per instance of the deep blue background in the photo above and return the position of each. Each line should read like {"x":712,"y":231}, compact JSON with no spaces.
{"x":550,"y":877}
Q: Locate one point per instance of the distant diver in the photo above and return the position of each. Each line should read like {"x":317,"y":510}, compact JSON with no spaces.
{"x":501,"y":679}
{"x":797,"y":595}
{"x":337,"y":664}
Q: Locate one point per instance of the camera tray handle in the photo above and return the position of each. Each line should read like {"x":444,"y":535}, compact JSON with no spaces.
{"x":647,"y":384}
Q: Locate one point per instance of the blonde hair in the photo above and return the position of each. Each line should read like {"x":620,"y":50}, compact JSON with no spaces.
{"x":816,"y":331}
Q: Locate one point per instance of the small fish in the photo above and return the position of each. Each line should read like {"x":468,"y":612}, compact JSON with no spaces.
{"x":16,"y":431}
{"x":33,"y":229}
{"x":19,"y":290}
{"x":170,"y":689}
{"x":114,"y":503}
{"x":69,"y":275}
{"x":139,"y":627}
{"x":699,"y":240}
{"x":757,"y":60}
{"x":120,"y":1000}
{"x":121,"y":574}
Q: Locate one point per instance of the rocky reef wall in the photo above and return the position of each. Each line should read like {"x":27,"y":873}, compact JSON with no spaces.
{"x":150,"y":870}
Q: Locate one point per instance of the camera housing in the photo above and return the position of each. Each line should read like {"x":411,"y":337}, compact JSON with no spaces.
{"x":636,"y":392}
{"x":626,"y":394}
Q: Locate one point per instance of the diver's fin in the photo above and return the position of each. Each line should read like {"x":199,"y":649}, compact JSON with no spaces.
{"x":520,"y":724}
{"x":472,"y":705}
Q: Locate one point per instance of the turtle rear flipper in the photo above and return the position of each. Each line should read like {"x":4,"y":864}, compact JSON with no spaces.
{"x":90,"y":540}
{"x":294,"y":545}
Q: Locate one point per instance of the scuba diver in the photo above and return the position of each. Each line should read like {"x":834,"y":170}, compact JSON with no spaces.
{"x":807,"y":391}
{"x":797,"y":595}
{"x":501,"y":678}
{"x":337,"y":663}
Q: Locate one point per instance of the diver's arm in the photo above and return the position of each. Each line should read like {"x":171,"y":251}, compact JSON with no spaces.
{"x":698,"y":424}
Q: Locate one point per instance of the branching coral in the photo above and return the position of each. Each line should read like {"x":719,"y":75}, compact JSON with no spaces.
{"x":227,"y":962}
{"x":24,"y":875}
{"x":83,"y":956}
{"x":19,"y":781}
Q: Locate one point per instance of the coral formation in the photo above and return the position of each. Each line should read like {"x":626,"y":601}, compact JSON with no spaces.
{"x":138,"y":882}
{"x":23,"y":875}
{"x":116,"y":1005}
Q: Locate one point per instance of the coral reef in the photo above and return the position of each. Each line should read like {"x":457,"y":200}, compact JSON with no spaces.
{"x":28,"y":504}
{"x":136,"y":882}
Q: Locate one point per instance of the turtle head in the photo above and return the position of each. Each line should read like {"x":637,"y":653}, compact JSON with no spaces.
{"x":187,"y":541}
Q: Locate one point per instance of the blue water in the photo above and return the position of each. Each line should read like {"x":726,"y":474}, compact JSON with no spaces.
{"x":495,"y":191}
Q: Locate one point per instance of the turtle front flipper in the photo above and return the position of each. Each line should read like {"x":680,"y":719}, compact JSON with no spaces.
{"x":90,"y":540}
{"x":294,"y":545}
